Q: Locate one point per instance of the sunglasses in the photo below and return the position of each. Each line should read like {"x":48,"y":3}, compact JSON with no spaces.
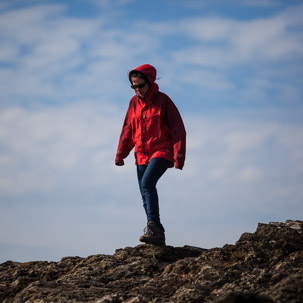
{"x":138,"y":86}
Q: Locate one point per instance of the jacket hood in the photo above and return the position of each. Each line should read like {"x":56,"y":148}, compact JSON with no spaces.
{"x":148,"y":70}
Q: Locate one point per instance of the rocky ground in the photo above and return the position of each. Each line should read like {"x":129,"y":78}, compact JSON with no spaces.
{"x":265,"y":266}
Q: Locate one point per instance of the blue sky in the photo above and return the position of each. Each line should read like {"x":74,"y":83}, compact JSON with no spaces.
{"x":234,"y":69}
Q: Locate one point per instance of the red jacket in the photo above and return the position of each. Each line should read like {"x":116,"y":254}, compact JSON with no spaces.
{"x":153,"y":126}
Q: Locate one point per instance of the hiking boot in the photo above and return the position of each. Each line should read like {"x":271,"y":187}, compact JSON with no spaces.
{"x":153,"y":234}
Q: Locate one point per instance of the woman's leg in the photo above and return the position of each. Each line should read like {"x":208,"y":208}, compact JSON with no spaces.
{"x":140,"y":172}
{"x":148,"y":176}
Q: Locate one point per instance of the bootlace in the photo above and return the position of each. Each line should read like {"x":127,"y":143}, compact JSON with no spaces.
{"x":148,"y":231}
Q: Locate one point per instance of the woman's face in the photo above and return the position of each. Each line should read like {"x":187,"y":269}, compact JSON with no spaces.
{"x":141,"y":91}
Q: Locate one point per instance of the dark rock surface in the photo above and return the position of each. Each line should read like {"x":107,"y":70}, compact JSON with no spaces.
{"x":265,"y":266}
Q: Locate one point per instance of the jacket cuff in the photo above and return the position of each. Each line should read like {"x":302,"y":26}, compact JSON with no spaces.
{"x":179,"y":165}
{"x":118,"y":159}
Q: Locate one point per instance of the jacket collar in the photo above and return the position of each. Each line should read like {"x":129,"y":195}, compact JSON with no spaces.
{"x":150,"y":94}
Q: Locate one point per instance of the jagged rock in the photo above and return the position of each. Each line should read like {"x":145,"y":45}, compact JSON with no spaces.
{"x":265,"y":266}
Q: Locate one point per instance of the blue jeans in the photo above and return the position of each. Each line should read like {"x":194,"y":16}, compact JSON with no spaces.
{"x":148,"y":176}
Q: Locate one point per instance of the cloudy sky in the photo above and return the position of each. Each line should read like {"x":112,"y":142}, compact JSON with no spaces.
{"x":233,"y":68}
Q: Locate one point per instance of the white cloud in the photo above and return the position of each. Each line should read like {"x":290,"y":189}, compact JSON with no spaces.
{"x":59,"y":53}
{"x":41,"y":50}
{"x":230,"y":42}
{"x":43,"y":148}
{"x":13,"y":22}
{"x":243,"y":158}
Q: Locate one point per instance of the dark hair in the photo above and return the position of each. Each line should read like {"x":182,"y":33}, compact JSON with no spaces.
{"x":137,"y":74}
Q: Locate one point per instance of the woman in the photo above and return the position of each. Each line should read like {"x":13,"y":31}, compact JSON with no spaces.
{"x":155,"y":128}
